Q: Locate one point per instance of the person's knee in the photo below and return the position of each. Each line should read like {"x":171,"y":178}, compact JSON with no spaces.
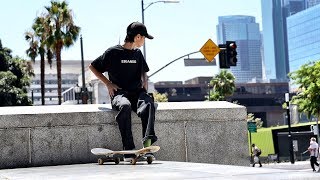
{"x":124,"y":114}
{"x":149,"y":101}
{"x":150,"y":104}
{"x":126,"y":107}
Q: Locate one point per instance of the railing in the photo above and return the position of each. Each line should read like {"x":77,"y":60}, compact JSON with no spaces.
{"x":69,"y":95}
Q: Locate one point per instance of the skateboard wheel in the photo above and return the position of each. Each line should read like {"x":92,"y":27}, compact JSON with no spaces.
{"x":100,"y":161}
{"x":149,"y":160}
{"x":133,"y":161}
{"x":117,"y":160}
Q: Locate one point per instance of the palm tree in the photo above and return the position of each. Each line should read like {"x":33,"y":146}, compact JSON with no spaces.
{"x":63,"y":32}
{"x":37,"y":39}
{"x":33,"y":52}
{"x":223,"y":85}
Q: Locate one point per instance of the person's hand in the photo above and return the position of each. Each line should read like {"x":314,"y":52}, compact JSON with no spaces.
{"x":112,"y":88}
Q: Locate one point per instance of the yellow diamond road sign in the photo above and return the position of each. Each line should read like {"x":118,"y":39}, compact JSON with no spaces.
{"x":210,"y":50}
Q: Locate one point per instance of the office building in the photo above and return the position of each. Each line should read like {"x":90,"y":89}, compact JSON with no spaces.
{"x":70,"y":71}
{"x":264,"y":100}
{"x":274,"y":13}
{"x":303,"y":37}
{"x":245,"y":31}
{"x":311,"y":3}
{"x":292,"y":7}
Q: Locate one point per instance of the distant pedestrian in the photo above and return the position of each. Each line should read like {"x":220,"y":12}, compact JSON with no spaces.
{"x":256,"y":155}
{"x":314,"y":152}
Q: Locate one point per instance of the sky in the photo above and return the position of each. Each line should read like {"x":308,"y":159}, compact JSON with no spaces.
{"x":178,"y":29}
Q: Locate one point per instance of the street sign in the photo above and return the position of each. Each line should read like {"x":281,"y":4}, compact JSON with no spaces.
{"x":209,"y":50}
{"x":252,"y":127}
{"x":198,"y":62}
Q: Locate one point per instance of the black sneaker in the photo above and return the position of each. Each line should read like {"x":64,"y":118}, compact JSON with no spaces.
{"x":129,"y":157}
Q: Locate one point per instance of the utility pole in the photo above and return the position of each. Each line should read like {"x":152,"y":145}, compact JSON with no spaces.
{"x":84,"y":94}
{"x":287,"y":98}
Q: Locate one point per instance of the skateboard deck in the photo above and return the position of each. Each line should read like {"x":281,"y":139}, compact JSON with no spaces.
{"x":139,"y":153}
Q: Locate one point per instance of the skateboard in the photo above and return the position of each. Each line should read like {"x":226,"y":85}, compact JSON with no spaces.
{"x":139,"y":153}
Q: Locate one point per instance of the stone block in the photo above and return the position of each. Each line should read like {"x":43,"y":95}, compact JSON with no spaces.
{"x":204,"y":132}
{"x":14,"y":148}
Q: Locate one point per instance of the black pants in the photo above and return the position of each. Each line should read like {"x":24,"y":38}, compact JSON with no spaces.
{"x":313,"y":161}
{"x":142,"y":104}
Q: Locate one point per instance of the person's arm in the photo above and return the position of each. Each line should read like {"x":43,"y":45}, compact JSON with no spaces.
{"x":145,"y":81}
{"x":110,"y":86}
{"x":310,"y":148}
{"x":254,"y":151}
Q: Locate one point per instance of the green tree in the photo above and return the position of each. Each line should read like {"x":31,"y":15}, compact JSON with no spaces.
{"x":15,"y":76}
{"x":63,"y":32}
{"x":38,"y":45}
{"x":308,"y":81}
{"x":251,"y":118}
{"x":158,"y":97}
{"x":223,"y":86}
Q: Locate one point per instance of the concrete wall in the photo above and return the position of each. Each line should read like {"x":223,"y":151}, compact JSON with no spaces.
{"x":204,"y":132}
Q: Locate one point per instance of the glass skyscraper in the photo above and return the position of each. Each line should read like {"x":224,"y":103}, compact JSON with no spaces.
{"x":304,"y":37}
{"x":245,"y":31}
{"x":274,"y":15}
{"x":311,"y":3}
{"x":294,"y":6}
{"x":275,"y":35}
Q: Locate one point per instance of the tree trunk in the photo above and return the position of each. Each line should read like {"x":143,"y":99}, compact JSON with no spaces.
{"x":42,"y":75}
{"x":58,"y":54}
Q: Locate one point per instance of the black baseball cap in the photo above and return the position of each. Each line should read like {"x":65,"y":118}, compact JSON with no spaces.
{"x":138,"y":28}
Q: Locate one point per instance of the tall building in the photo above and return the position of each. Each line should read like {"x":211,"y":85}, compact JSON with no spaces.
{"x":274,"y":13}
{"x":274,"y":21}
{"x":304,"y":37}
{"x":311,"y":3}
{"x":294,"y":6}
{"x":245,"y":31}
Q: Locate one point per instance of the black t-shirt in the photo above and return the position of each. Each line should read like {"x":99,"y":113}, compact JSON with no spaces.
{"x":124,"y":67}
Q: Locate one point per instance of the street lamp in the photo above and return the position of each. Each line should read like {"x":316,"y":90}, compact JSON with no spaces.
{"x":84,"y":94}
{"x":289,"y":128}
{"x":77,"y":91}
{"x":142,"y":11}
{"x":90,"y":90}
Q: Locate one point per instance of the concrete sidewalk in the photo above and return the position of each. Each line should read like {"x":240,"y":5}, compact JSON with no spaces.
{"x":298,"y":165}
{"x":159,"y":170}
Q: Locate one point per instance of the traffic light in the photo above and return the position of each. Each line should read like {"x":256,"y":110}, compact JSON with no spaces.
{"x":223,"y":63}
{"x":231,"y":53}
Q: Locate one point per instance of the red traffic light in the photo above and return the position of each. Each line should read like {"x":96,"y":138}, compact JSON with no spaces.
{"x":233,"y":45}
{"x":231,"y":53}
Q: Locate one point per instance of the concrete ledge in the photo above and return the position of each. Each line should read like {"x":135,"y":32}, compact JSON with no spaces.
{"x":209,"y":132}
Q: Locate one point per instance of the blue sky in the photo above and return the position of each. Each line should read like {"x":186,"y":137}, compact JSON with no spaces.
{"x":178,"y":29}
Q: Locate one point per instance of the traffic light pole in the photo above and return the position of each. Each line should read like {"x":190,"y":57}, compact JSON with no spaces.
{"x":289,"y":129}
{"x":227,"y":56}
{"x":172,"y":62}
